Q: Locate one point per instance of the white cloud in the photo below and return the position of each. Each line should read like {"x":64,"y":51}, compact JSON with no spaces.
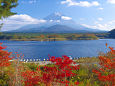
{"x":29,"y":1}
{"x":32,"y":1}
{"x":111,"y":22}
{"x":81,"y":3}
{"x":58,"y":21}
{"x":51,"y":20}
{"x":111,"y":1}
{"x":90,"y":26}
{"x":54,"y":21}
{"x":100,"y":8}
{"x":66,"y":18}
{"x":98,"y":26}
{"x":105,"y":26}
{"x":17,"y":21}
{"x":100,"y":19}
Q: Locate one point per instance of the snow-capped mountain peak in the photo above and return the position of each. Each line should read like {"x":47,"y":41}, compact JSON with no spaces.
{"x":58,"y":14}
{"x":57,"y":17}
{"x":53,"y":16}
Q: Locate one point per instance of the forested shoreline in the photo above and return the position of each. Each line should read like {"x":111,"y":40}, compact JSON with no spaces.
{"x":52,"y":36}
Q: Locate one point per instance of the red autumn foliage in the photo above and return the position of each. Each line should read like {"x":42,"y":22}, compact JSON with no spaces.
{"x":106,"y":72}
{"x":30,"y":78}
{"x":60,"y":72}
{"x":4,"y":57}
{"x":63,"y":69}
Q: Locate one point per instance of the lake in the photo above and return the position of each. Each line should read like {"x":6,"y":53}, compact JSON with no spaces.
{"x":41,"y":50}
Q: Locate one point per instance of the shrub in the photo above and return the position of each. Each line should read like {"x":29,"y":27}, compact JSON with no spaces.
{"x":106,"y":72}
{"x":60,"y":72}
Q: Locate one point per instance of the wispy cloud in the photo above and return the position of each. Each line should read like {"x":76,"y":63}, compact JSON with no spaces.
{"x":29,"y":1}
{"x":32,"y":1}
{"x":100,"y":19}
{"x":18,"y":21}
{"x":98,"y":26}
{"x":82,"y":19}
{"x":111,"y":1}
{"x":81,"y":3}
{"x":105,"y":26}
{"x":100,"y":8}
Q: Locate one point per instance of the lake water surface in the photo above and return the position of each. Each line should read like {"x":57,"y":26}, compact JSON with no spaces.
{"x":40,"y":50}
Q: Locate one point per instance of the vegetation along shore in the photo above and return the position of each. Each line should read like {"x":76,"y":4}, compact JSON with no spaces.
{"x":52,"y":36}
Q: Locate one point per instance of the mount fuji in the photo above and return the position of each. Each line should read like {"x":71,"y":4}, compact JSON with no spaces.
{"x":56,"y":23}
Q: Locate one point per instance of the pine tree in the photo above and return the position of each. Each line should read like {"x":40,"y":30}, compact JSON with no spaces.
{"x":6,"y":6}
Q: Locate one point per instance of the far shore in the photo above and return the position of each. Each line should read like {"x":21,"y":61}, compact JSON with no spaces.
{"x":45,"y":40}
{"x":52,"y":36}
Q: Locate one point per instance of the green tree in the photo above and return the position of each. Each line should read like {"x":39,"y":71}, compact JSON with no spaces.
{"x":5,"y":8}
{"x":112,"y":33}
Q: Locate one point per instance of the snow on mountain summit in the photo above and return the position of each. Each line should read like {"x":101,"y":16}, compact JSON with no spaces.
{"x":57,"y":17}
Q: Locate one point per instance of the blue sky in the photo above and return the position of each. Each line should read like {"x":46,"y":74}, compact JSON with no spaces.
{"x":97,"y":14}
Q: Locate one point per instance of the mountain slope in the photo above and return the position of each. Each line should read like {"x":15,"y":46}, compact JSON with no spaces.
{"x":56,"y":23}
{"x":59,"y":29}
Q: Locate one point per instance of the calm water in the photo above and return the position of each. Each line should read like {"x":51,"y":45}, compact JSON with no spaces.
{"x":78,"y":48}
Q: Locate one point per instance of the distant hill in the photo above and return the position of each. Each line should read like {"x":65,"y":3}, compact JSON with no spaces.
{"x":112,"y":33}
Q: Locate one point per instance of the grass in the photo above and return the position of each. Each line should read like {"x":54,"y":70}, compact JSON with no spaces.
{"x":87,"y":60}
